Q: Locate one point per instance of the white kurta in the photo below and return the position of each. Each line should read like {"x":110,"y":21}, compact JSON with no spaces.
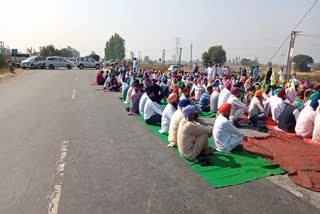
{"x":151,"y":108}
{"x":305,"y":123}
{"x":174,"y":125}
{"x":211,"y":73}
{"x":166,"y":118}
{"x":276,"y":106}
{"x":238,"y":108}
{"x":214,"y":98}
{"x":198,"y":91}
{"x":226,"y":136}
{"x":142,"y":103}
{"x":223,"y":97}
{"x":316,"y":130}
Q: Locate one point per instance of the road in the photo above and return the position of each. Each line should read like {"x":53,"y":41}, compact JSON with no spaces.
{"x":70,"y":148}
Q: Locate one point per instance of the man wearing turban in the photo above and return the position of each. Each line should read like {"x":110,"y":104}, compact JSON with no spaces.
{"x":226,"y":136}
{"x":168,"y":111}
{"x":256,"y":109}
{"x":192,"y":136}
{"x":238,"y":108}
{"x":306,"y":119}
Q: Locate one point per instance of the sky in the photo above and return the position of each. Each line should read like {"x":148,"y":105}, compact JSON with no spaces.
{"x":245,"y":28}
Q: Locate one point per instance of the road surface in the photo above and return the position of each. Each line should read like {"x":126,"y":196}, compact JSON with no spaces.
{"x":70,"y":148}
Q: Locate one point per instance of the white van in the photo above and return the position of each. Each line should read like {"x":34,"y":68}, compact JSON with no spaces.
{"x":87,"y":62}
{"x":58,"y":62}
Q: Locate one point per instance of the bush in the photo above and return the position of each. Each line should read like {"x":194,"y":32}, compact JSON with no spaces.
{"x":3,"y":62}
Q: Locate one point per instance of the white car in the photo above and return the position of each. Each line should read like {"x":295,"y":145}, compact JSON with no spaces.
{"x":58,"y":62}
{"x":33,"y":62}
{"x":87,"y":62}
{"x":173,"y":68}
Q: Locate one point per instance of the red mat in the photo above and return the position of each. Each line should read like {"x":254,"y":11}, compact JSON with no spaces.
{"x":94,"y":83}
{"x":301,"y":159}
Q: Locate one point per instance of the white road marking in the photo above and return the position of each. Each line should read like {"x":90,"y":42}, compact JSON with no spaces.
{"x":54,"y":198}
{"x":73,"y":94}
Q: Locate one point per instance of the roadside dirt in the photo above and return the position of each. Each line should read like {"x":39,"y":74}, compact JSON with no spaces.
{"x":5,"y":74}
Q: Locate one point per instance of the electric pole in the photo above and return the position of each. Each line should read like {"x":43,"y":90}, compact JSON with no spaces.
{"x":191,"y":56}
{"x":290,"y":53}
{"x":180,"y":56}
{"x":163,"y":56}
{"x":139,"y":56}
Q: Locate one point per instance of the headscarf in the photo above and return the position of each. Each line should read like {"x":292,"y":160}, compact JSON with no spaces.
{"x":225,"y":107}
{"x":187,"y":111}
{"x":172,"y":97}
{"x":314,"y":104}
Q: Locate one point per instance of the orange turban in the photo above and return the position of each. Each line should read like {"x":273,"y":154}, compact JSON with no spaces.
{"x":210,"y":81}
{"x":172,"y":97}
{"x":175,"y":88}
{"x":284,"y":81}
{"x":258,"y":93}
{"x":225,"y":108}
{"x":198,"y":80}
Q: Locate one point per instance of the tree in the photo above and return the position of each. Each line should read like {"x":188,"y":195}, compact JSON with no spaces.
{"x":115,"y":48}
{"x":216,"y":54}
{"x":94,"y":56}
{"x":146,"y":59}
{"x":302,"y":63}
{"x":248,"y":62}
{"x":131,"y":55}
{"x":65,"y":52}
{"x":49,"y":50}
{"x":32,"y":51}
{"x":269,"y":64}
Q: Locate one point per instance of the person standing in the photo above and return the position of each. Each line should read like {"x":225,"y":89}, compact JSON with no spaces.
{"x":281,"y":75}
{"x":210,"y":71}
{"x":135,"y":65}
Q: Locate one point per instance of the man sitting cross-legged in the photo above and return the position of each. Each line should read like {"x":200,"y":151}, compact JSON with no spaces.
{"x":226,"y":136}
{"x":192,"y":137}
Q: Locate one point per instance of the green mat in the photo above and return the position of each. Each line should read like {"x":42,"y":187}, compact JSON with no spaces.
{"x":229,"y":169}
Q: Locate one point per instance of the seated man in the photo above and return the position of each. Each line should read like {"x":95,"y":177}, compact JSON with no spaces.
{"x":192,"y":137}
{"x":226,"y":136}
{"x":135,"y":98}
{"x":277,"y":104}
{"x":205,"y":100}
{"x":168,"y":111}
{"x":225,"y":93}
{"x":152,"y":110}
{"x":238,"y":108}
{"x":256,"y":109}
{"x":289,"y":116}
{"x":125,"y":89}
{"x":100,"y":79}
{"x":113,"y":85}
{"x":142,"y":103}
{"x":316,"y":129}
{"x":214,"y":98}
{"x":175,"y":120}
{"x":305,"y":122}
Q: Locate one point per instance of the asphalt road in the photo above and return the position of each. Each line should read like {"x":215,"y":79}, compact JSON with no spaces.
{"x":70,"y":148}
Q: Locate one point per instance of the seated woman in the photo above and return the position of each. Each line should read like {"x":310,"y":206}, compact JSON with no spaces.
{"x":100,"y":79}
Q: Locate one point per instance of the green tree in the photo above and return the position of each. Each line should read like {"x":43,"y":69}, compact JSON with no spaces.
{"x":115,"y":48}
{"x":65,"y":52}
{"x":216,"y":54}
{"x":302,"y":63}
{"x":131,"y":55}
{"x":269,"y":64}
{"x":49,"y":50}
{"x":94,"y":56}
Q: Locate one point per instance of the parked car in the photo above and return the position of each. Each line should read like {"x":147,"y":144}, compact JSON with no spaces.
{"x":17,"y":58}
{"x":110,"y":62}
{"x":58,"y":62}
{"x":87,"y":62}
{"x":173,"y":68}
{"x":33,"y":62}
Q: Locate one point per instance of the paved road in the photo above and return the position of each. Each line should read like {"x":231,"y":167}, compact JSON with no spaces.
{"x":69,"y":148}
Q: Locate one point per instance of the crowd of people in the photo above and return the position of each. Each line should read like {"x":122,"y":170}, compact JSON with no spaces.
{"x":234,"y":97}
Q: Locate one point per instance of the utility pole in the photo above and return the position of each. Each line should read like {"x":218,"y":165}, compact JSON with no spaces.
{"x":180,"y":56}
{"x":163,"y":57}
{"x":1,"y":47}
{"x":139,"y":56}
{"x":191,"y":56}
{"x":290,"y":53}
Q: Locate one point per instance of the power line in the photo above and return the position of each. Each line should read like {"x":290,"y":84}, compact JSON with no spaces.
{"x":304,"y":16}
{"x":315,"y":36}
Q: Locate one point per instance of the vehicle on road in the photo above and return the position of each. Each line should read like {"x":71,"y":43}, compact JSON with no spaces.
{"x":17,"y":58}
{"x":87,"y":62}
{"x":33,"y":62}
{"x":58,"y":62}
{"x":110,"y":62}
{"x":173,"y":68}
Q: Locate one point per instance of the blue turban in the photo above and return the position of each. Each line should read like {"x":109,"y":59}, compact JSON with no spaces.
{"x":128,"y":81}
{"x":187,"y":111}
{"x":184,"y":103}
{"x":163,"y":79}
{"x":314,"y":104}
